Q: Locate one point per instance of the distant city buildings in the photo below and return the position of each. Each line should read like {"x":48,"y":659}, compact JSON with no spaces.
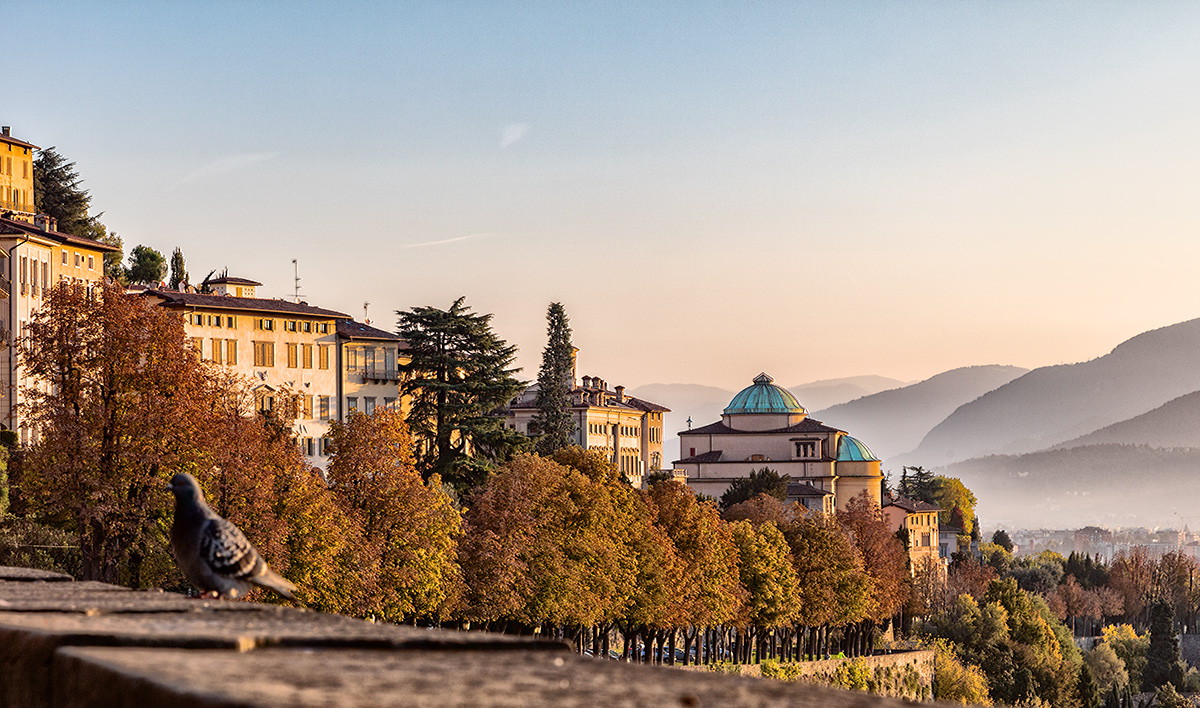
{"x":627,"y":430}
{"x":765,"y":426}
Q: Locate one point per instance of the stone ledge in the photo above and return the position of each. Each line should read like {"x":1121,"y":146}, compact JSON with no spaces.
{"x":74,"y":645}
{"x":12,"y":574}
{"x":287,"y":678}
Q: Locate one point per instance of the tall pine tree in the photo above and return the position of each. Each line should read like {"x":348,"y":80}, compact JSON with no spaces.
{"x":179,"y":275}
{"x":1163,"y":661}
{"x":460,"y":375}
{"x":555,"y":378}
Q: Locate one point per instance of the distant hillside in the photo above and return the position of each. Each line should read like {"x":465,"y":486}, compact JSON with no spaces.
{"x":895,"y":421}
{"x":830,"y":392}
{"x":1106,"y":485}
{"x":1054,"y":404}
{"x":1173,"y":424}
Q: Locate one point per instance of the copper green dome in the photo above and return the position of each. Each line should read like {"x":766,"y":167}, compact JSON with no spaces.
{"x":764,"y":397}
{"x":853,"y":450}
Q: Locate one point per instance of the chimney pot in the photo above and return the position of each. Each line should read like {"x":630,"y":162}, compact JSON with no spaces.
{"x":620,"y":394}
{"x":7,"y":130}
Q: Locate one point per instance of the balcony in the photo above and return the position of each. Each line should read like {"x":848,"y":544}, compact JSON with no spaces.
{"x":380,"y":375}
{"x":5,"y":287}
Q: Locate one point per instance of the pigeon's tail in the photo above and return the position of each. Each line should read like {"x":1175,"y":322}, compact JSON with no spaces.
{"x":274,"y":581}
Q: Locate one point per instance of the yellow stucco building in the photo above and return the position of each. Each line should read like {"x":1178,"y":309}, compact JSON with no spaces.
{"x":16,"y":175}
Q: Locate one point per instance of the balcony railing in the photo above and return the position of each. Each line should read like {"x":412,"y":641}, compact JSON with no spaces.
{"x":380,"y":374}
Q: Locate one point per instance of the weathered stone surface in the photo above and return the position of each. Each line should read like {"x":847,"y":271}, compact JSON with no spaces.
{"x":101,"y":598}
{"x":279,"y":678}
{"x":23,"y":574}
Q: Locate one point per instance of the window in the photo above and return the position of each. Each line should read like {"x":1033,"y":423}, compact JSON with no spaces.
{"x":264,"y":323}
{"x":306,"y":356}
{"x":264,"y":354}
{"x":369,"y":359}
{"x":310,"y":447}
{"x":324,"y":447}
{"x":91,"y":263}
{"x":352,"y":358}
{"x":308,"y":406}
{"x":369,"y":405}
{"x":323,"y":328}
{"x":322,"y":356}
{"x":231,"y":322}
{"x":64,"y":257}
{"x":24,"y":270}
{"x":306,"y":326}
{"x":218,"y":349}
{"x":266,"y":403}
{"x":45,"y":274}
{"x":289,"y":326}
{"x":806,"y":448}
{"x":291,"y":356}
{"x":33,"y":280}
{"x":78,"y":259}
{"x":323,"y":407}
{"x":231,"y":352}
{"x":351,"y":404}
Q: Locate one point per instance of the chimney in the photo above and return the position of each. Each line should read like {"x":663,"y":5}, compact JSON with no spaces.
{"x":7,"y":130}
{"x":587,"y":381}
{"x":620,"y":394}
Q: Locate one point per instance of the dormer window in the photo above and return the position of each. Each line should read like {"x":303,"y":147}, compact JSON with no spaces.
{"x":808,"y":449}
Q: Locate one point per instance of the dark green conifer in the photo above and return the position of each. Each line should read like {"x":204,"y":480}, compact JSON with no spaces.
{"x":553,"y":421}
{"x":1163,"y":661}
{"x":179,"y":275}
{"x":1089,"y":692}
{"x":764,"y":481}
{"x":459,"y":378}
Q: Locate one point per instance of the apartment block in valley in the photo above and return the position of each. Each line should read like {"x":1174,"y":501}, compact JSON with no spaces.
{"x":286,"y":349}
{"x":628,"y":430}
{"x":370,"y":362}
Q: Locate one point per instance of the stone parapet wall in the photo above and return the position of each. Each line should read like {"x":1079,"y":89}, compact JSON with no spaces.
{"x":906,"y":674}
{"x":66,"y":644}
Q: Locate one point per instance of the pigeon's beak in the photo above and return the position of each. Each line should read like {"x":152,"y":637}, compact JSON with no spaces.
{"x":169,"y":488}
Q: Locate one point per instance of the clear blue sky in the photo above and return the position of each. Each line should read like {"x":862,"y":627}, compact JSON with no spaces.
{"x":811,"y":189}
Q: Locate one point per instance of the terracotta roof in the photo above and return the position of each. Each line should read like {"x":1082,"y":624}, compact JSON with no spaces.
{"x":349,"y":329}
{"x":808,"y":425}
{"x":256,"y":304}
{"x":804,"y":489}
{"x":17,"y":141}
{"x":912,"y":505}
{"x":710,"y":456}
{"x":646,"y":405}
{"x":14,"y":226}
{"x":230,"y":280}
{"x":629,"y":403}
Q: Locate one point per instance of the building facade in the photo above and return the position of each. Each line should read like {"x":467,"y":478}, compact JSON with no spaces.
{"x":765,"y":426}
{"x":626,"y":429}
{"x":919,"y":521}
{"x":287,"y":350}
{"x":369,"y":365}
{"x":16,"y":176}
{"x":33,"y":258}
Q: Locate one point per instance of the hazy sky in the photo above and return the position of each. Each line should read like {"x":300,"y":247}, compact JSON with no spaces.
{"x":812,"y":189}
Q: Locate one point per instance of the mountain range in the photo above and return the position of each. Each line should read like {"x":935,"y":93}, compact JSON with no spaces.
{"x":1113,"y":440}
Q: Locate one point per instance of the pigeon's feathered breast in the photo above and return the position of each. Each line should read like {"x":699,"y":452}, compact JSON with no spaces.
{"x":227,"y":551}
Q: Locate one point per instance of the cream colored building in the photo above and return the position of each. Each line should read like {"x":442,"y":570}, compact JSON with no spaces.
{"x":370,"y":362}
{"x":34,"y":256}
{"x":284,"y":348}
{"x":765,"y":426}
{"x":920,"y":523}
{"x":628,"y":430}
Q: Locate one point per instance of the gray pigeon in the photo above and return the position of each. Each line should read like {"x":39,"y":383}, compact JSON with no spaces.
{"x":213,"y":554}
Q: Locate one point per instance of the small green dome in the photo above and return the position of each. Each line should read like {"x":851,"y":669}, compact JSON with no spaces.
{"x":764,"y":397}
{"x":853,"y":450}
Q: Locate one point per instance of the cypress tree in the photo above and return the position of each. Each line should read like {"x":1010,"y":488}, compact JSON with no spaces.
{"x":179,"y":276}
{"x":555,"y":379}
{"x":1163,"y":662}
{"x":459,"y":378}
{"x":1089,"y":692}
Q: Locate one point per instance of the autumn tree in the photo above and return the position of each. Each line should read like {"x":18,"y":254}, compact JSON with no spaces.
{"x":459,"y":376}
{"x":411,"y":525}
{"x":767,"y":574}
{"x":884,"y":556}
{"x":553,"y":421}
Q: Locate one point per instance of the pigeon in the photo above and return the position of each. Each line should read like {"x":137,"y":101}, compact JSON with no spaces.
{"x":212,"y":552}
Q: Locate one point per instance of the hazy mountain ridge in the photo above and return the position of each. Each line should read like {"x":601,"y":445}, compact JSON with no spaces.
{"x":1106,"y":484}
{"x":1174,"y":424}
{"x":1053,"y":404}
{"x":895,"y":421}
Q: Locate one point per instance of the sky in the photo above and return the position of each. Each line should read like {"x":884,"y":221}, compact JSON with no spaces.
{"x":815,"y":190}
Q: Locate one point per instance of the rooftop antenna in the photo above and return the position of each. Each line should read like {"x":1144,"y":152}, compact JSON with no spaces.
{"x":366,"y":307}
{"x":296,"y":278}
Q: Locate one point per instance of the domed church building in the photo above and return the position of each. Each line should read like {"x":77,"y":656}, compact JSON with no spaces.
{"x":765,"y":426}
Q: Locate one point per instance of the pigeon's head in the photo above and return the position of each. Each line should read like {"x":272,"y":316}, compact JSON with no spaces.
{"x":185,"y":487}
